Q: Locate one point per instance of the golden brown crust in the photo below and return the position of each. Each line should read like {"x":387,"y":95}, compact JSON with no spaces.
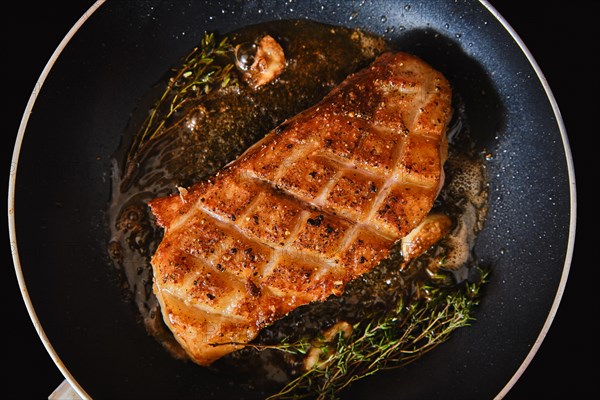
{"x":316,"y":203}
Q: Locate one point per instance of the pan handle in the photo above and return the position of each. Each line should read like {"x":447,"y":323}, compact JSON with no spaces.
{"x":64,"y":391}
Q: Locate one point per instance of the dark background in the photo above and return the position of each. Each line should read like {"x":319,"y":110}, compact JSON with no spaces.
{"x":562,"y":38}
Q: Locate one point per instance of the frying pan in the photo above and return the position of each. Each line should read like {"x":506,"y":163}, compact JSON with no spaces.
{"x":63,"y":151}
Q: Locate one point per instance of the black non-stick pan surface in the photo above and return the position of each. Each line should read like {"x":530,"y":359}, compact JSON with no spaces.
{"x":60,"y":182}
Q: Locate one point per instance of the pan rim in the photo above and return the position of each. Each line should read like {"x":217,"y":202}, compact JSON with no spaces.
{"x":11,"y":199}
{"x":71,"y":33}
{"x":572,"y":195}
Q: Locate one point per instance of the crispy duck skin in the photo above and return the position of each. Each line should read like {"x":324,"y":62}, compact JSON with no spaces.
{"x":315,"y":204}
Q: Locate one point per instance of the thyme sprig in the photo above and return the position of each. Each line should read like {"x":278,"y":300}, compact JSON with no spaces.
{"x":394,"y":339}
{"x":199,"y":75}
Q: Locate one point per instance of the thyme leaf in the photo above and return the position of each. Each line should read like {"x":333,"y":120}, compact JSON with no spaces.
{"x":204,"y":69}
{"x":393,"y":339}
